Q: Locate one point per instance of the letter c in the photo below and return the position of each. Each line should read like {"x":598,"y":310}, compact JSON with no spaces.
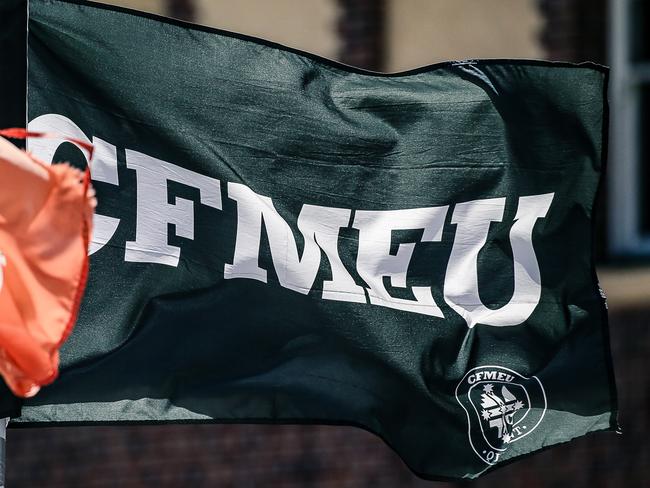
{"x":104,"y":165}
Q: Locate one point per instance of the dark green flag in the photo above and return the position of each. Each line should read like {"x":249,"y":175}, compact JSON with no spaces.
{"x":284,"y":239}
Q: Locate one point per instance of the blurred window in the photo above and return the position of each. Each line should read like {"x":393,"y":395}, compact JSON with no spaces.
{"x":629,"y":168}
{"x":640,"y":32}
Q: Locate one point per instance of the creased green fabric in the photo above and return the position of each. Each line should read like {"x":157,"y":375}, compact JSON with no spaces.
{"x":202,"y":306}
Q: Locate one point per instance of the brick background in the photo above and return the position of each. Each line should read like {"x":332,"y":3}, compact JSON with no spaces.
{"x":575,"y":30}
{"x":362,"y":30}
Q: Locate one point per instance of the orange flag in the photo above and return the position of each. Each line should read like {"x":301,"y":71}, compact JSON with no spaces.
{"x":45,"y":225}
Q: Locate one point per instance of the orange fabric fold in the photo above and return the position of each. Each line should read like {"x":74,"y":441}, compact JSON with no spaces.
{"x":45,"y":225}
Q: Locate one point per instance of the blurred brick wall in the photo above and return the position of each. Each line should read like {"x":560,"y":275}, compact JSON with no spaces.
{"x":241,"y":456}
{"x":422,"y":32}
{"x":575,"y":30}
{"x":362,"y":25}
{"x":182,"y":9}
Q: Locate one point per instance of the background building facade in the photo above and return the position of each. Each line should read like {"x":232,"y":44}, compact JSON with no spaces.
{"x":393,"y":35}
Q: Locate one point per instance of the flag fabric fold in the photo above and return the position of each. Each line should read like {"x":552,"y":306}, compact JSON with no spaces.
{"x":45,"y":223}
{"x":284,"y":239}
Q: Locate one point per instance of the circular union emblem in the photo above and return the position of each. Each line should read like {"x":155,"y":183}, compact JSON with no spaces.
{"x":502,"y":407}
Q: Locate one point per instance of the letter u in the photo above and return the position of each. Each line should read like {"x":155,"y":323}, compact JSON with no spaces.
{"x":473,"y":221}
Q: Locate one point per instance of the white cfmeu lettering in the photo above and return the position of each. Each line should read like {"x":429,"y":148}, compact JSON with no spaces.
{"x":490,"y":376}
{"x":320,"y":229}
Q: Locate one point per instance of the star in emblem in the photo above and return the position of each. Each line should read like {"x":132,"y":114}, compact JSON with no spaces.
{"x":507,"y":438}
{"x":485,"y":414}
{"x":488,"y":388}
{"x":519,"y":405}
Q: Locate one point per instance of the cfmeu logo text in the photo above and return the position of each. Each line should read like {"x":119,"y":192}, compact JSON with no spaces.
{"x":502,"y":407}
